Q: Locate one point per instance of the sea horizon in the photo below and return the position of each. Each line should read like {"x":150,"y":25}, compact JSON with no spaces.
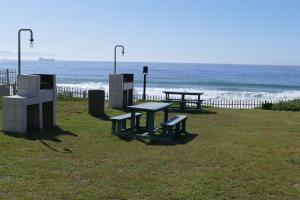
{"x":149,"y":62}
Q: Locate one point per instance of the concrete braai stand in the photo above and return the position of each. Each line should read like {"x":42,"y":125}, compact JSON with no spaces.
{"x":121,"y":90}
{"x":34,"y":106}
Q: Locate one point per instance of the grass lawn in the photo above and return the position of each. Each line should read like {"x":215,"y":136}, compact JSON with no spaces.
{"x":233,"y":154}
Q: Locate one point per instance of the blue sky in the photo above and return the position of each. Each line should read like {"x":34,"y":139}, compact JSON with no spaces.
{"x":203,"y":31}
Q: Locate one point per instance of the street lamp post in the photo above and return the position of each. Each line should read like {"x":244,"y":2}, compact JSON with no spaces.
{"x":19,"y":46}
{"x":145,"y":72}
{"x":115,"y":61}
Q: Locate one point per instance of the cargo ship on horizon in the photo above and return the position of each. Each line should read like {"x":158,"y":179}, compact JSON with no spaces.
{"x":46,"y":59}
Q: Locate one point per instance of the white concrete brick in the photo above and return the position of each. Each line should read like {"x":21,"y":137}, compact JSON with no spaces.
{"x":21,"y":113}
{"x":128,"y":86}
{"x":9,"y":113}
{"x":19,"y":101}
{"x":55,"y":92}
{"x":9,"y":126}
{"x":48,"y":95}
{"x":33,"y":92}
{"x":23,"y":91}
{"x":23,"y":81}
{"x":20,"y":127}
{"x":54,"y":81}
{"x":8,"y":101}
{"x":34,"y":83}
{"x":30,"y":101}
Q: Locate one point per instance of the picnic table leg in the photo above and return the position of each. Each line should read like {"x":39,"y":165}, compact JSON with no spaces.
{"x":178,"y":131}
{"x":123,"y":124}
{"x":119,"y":127}
{"x":166,"y":115}
{"x":137,"y":124}
{"x":132,"y":122}
{"x":182,"y":97}
{"x":184,"y":126}
{"x":199,"y":103}
{"x":198,"y":106}
{"x":170,"y":132}
{"x":182,"y":106}
{"x":114,"y":127}
{"x":150,"y":122}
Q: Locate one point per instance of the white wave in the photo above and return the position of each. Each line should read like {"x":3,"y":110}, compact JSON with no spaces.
{"x":86,"y":85}
{"x":208,"y":93}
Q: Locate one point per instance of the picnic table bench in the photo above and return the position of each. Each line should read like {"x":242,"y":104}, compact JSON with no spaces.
{"x":119,"y":122}
{"x":178,"y":122}
{"x":184,"y":103}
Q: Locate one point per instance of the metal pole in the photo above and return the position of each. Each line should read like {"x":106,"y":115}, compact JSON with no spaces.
{"x":115,"y":58}
{"x":115,"y":63}
{"x":144,"y":91}
{"x":19,"y":46}
{"x":19,"y":52}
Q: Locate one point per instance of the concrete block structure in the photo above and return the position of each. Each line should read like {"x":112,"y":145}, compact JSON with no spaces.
{"x":121,"y":90}
{"x":34,"y":106}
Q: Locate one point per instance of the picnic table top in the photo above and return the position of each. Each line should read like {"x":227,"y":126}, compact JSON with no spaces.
{"x":186,"y":93}
{"x":153,"y":106}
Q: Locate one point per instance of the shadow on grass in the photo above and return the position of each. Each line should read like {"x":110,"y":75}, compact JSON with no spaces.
{"x":45,"y":135}
{"x":158,"y":140}
{"x":202,"y":112}
{"x":103,"y":117}
{"x":49,"y":134}
{"x":180,"y":140}
{"x":126,"y":110}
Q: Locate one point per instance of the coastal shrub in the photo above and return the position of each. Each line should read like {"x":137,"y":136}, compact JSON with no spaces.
{"x":267,"y":106}
{"x":293,"y":105}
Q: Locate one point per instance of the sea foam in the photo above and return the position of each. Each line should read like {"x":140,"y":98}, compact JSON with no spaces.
{"x":208,"y":93}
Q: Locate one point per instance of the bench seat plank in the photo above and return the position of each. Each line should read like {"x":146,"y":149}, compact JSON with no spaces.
{"x":175,"y":120}
{"x":178,"y":122}
{"x":124,"y":117}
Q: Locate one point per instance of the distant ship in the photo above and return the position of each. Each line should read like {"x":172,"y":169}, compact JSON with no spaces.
{"x":46,"y":59}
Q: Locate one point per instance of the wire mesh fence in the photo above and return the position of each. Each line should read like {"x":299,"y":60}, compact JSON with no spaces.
{"x":8,"y":79}
{"x":8,"y":76}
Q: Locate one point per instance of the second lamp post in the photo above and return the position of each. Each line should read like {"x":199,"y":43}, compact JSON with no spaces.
{"x":145,"y":72}
{"x":19,"y":46}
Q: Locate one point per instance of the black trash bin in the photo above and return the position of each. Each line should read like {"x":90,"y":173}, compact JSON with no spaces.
{"x":96,"y":102}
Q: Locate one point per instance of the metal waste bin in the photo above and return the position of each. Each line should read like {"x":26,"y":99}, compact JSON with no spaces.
{"x":96,"y":102}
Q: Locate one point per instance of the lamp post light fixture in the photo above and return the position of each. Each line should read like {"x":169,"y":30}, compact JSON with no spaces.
{"x":145,"y":72}
{"x":19,"y":46}
{"x":115,"y":61}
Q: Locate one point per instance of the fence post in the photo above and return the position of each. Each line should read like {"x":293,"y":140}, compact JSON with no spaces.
{"x":14,"y":89}
{"x":7,"y":76}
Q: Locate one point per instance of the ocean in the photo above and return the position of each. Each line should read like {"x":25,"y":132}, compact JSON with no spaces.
{"x":218,"y":81}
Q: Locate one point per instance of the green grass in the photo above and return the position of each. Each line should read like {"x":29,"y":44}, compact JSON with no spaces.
{"x":233,"y":154}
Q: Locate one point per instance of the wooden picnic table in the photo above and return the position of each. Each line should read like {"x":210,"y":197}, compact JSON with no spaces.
{"x":150,"y":109}
{"x":183,"y":101}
